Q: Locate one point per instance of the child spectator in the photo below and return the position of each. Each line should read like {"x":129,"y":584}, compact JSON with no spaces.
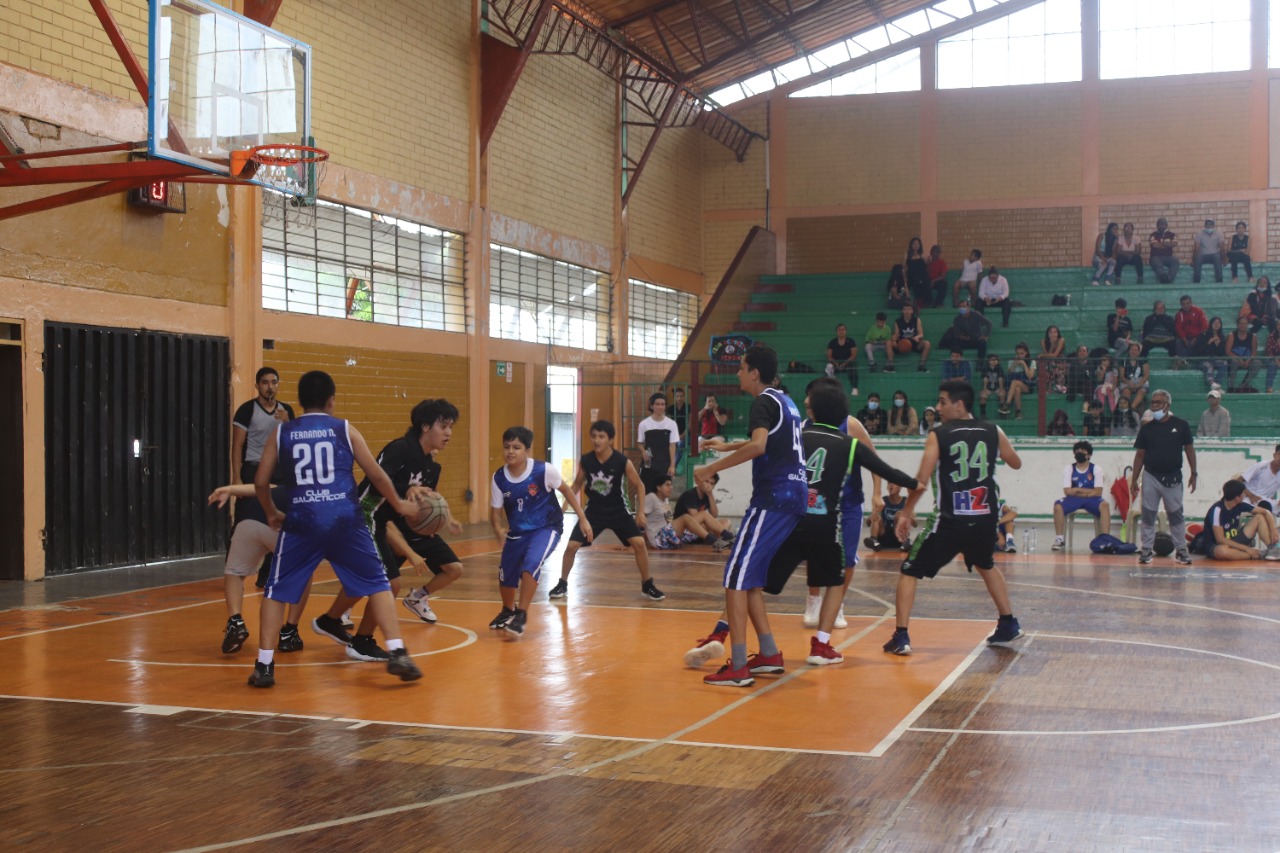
{"x":1107,"y":389}
{"x":1059,"y":425}
{"x":711,"y":419}
{"x":1213,"y":349}
{"x":1004,"y":527}
{"x":871,"y":416}
{"x":657,"y":517}
{"x":1096,"y":424}
{"x":877,"y":339}
{"x":1119,"y":326}
{"x":1135,"y":376}
{"x":969,"y":274}
{"x":697,"y":518}
{"x":992,"y":384}
{"x":928,"y":420}
{"x":902,"y":418}
{"x":937,"y":276}
{"x":1239,"y":253}
{"x":1125,"y":421}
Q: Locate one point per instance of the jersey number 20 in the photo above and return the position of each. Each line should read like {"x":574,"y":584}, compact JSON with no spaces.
{"x":313,"y":468}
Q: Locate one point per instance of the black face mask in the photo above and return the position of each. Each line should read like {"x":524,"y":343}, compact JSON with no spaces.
{"x":1082,"y":457}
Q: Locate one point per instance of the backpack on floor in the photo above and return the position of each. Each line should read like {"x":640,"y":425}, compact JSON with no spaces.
{"x":1105,"y":543}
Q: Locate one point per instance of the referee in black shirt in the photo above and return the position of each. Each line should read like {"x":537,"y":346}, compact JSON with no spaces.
{"x":1160,"y":445}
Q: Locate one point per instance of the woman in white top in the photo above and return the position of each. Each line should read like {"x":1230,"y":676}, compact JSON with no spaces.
{"x":1128,"y":252}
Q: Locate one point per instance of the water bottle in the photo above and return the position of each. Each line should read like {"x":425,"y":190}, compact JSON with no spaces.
{"x":1033,"y":539}
{"x":1026,"y":541}
{"x":1068,"y":300}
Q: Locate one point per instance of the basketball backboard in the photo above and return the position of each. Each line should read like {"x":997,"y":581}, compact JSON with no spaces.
{"x":220,"y":82}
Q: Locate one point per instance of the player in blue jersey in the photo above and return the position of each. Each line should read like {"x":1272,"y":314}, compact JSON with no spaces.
{"x":779,"y":499}
{"x":527,"y":522}
{"x":323,"y":521}
{"x":1083,"y":487}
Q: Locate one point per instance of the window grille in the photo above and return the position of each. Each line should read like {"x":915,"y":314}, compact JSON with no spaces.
{"x":539,"y":299}
{"x":659,"y":320}
{"x":359,"y":265}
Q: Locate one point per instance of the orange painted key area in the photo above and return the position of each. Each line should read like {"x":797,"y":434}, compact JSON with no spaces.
{"x":603,"y":671}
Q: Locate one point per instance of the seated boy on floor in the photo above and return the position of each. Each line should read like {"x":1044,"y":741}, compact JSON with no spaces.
{"x":657,"y":516}
{"x":882,"y":533}
{"x":1237,"y":530}
{"x":697,"y":517}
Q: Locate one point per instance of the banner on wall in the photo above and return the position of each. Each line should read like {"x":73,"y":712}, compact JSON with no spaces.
{"x":728,"y":349}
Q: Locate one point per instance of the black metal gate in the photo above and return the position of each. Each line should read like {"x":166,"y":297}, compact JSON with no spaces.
{"x":136,"y":437}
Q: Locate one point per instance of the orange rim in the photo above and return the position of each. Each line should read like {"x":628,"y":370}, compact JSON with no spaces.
{"x":286,"y":155}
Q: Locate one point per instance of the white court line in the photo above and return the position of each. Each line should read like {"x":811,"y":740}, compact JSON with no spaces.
{"x":905,"y":723}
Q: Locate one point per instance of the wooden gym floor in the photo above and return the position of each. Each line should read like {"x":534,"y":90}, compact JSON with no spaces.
{"x":1141,"y":712}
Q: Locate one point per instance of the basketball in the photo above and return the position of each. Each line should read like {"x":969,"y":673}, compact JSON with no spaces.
{"x":1163,"y":545}
{"x":432,"y":514}
{"x":1193,"y":530}
{"x":904,"y":345}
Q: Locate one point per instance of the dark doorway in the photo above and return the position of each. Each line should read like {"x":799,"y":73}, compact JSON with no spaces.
{"x":136,"y":436}
{"x":11,"y":530}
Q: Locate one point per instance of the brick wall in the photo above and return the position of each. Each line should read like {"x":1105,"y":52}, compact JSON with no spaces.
{"x":404,"y":116}
{"x":664,"y":216}
{"x":1185,"y":219}
{"x":377,"y":392}
{"x":63,"y":39}
{"x":862,"y":150}
{"x":728,"y":184}
{"x":1025,"y":142}
{"x":1014,"y":237}
{"x":552,"y":156}
{"x":721,"y":240}
{"x":849,"y":243}
{"x":1172,"y":135}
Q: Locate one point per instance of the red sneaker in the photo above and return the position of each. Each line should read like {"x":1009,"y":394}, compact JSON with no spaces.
{"x":761,"y":665}
{"x":727,"y":676}
{"x":708,"y":648}
{"x":821,"y":654}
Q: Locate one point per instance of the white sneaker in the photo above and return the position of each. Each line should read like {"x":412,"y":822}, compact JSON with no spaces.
{"x":1059,"y":542}
{"x":812,"y":606}
{"x":841,"y":622}
{"x":1272,"y":553}
{"x":417,"y":604}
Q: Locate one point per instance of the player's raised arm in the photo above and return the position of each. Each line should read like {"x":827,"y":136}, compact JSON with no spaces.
{"x":378,"y":477}
{"x":743,"y":451}
{"x":222,"y":494}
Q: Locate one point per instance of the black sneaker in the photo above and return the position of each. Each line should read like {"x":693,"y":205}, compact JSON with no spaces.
{"x":290,"y":640}
{"x":872,"y":543}
{"x":402,"y":666}
{"x":922,"y":369}
{"x":501,"y":619}
{"x":1144,"y":557}
{"x":515,"y":625}
{"x":236,"y":634}
{"x":560,"y":590}
{"x":875,"y":368}
{"x":889,"y":368}
{"x":326,"y":626}
{"x":367,"y":649}
{"x":1182,"y":557}
{"x":264,"y":674}
{"x":651,"y":592}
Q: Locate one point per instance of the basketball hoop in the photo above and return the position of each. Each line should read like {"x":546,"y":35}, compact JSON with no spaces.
{"x":293,"y":169}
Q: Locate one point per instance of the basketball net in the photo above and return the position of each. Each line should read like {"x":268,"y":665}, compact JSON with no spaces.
{"x":296,"y":171}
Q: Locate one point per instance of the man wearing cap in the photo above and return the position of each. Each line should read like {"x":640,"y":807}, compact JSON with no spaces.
{"x":1162,"y":242}
{"x":1215,"y":421}
{"x":1208,"y":250}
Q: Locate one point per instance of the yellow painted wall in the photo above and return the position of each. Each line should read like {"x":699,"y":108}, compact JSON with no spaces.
{"x":728,"y":184}
{"x":853,"y":150}
{"x":1026,"y":142}
{"x":664,"y":216}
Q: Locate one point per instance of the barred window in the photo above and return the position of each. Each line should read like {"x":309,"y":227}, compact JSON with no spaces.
{"x":659,"y":320}
{"x":341,"y":261}
{"x":538,"y":299}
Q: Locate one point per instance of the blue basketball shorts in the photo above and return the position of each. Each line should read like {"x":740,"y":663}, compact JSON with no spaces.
{"x":1093,"y":506}
{"x":349,"y":549}
{"x":526,"y":554}
{"x":760,"y":535}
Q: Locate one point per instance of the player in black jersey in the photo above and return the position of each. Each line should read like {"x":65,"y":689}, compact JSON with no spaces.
{"x":601,"y":472}
{"x":960,"y":456}
{"x":830,"y":458}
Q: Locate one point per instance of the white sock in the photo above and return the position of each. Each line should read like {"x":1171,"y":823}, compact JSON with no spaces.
{"x":814,"y":601}
{"x":266,"y":656}
{"x":824,"y":637}
{"x":392,"y":645}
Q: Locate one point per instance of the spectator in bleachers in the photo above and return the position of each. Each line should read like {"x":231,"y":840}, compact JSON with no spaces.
{"x":1052,"y":347}
{"x":957,"y":368}
{"x":1207,"y":248}
{"x":902,"y":418}
{"x":993,"y":292}
{"x":1242,"y":351}
{"x":1022,"y":379}
{"x":928,"y":420}
{"x":908,"y":336}
{"x":1128,"y":252}
{"x":1119,"y":326}
{"x":842,"y":356}
{"x":969,"y":330}
{"x":897,"y":288}
{"x":992,"y":384}
{"x":1188,"y":324}
{"x":878,"y":338}
{"x":1272,"y":358}
{"x":1213,"y":349}
{"x":711,"y":421}
{"x":1215,"y":421}
{"x":1080,"y":375}
{"x":872,"y":416}
{"x":1260,"y":306}
{"x":1104,"y":255}
{"x":1135,"y":377}
{"x":1125,"y":421}
{"x":1239,"y":253}
{"x":970,"y":272}
{"x":1059,"y":425}
{"x":1106,"y":383}
{"x":918,"y":273}
{"x":1158,"y":330}
{"x":1096,"y":422}
{"x":937,"y":276}
{"x":1162,"y":242}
